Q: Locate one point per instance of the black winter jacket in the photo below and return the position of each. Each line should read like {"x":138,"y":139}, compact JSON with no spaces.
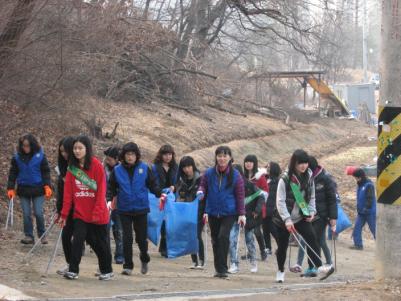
{"x":325,"y":193}
{"x":254,"y":206}
{"x":186,"y":192}
{"x":165,"y":179}
{"x":271,"y":199}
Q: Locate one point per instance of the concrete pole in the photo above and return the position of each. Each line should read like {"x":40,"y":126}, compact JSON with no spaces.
{"x":388,"y":240}
{"x":365,"y":41}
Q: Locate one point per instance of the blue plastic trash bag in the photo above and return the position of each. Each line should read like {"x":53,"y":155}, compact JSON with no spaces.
{"x":155,"y":217}
{"x":343,"y":221}
{"x":182,"y":228}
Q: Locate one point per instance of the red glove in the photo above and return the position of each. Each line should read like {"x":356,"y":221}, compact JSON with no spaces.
{"x":48,"y":191}
{"x":162,"y":203}
{"x":11,"y":193}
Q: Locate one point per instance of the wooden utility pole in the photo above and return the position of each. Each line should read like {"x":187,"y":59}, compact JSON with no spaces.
{"x":388,"y":243}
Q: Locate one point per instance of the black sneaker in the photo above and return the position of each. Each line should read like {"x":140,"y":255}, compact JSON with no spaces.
{"x":354,"y":247}
{"x":221,"y":275}
{"x":27,"y":240}
{"x":263,"y":255}
{"x":144,"y":268}
{"x":245,"y":257}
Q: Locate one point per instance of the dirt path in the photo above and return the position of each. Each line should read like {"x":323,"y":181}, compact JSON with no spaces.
{"x":173,"y":275}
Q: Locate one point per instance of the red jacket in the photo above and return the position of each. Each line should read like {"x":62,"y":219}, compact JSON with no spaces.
{"x":89,"y":205}
{"x":260,"y":181}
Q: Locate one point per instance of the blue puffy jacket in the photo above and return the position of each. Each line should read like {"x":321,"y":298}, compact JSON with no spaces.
{"x":30,"y":172}
{"x":220,"y":199}
{"x":133,"y":191}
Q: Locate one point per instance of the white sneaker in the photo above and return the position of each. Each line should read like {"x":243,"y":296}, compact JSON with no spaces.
{"x":126,"y":272}
{"x":280,"y":277}
{"x":193,"y":266}
{"x":254,"y":267}
{"x":233,"y":268}
{"x":325,"y":271}
{"x":63,"y":270}
{"x":97,"y":273}
{"x":106,"y":276}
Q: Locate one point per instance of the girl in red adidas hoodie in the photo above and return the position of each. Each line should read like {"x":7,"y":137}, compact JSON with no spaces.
{"x":85,"y":192}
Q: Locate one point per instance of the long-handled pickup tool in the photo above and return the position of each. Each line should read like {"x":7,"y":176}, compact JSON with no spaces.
{"x":10,"y":214}
{"x":326,"y":270}
{"x":37,"y":243}
{"x":53,"y":255}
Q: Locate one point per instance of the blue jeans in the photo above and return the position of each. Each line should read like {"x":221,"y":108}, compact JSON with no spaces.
{"x":116,"y":227}
{"x":27,"y":215}
{"x":249,"y":240}
{"x":360,"y":222}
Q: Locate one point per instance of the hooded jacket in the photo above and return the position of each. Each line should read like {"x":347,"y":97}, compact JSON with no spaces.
{"x":325,"y":193}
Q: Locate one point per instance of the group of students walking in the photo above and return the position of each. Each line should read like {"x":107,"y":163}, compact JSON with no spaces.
{"x":94,"y":198}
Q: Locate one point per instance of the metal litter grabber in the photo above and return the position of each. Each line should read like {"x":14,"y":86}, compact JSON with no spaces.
{"x":53,"y":255}
{"x":10,"y":214}
{"x":327,"y":270}
{"x":37,"y":243}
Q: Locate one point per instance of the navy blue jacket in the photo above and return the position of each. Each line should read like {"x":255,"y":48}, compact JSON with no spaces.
{"x":366,"y":198}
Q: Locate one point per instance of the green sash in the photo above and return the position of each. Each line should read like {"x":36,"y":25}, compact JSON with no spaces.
{"x":250,"y":198}
{"x":299,"y":199}
{"x":81,"y":176}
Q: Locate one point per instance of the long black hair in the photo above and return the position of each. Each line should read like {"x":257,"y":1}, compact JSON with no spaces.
{"x":89,"y":152}
{"x":274,"y":170}
{"x":67,"y":143}
{"x":33,"y":144}
{"x":165,"y":149}
{"x":313,"y":164}
{"x":184,"y":162}
{"x":130,"y":147}
{"x":298,"y":157}
{"x":254,"y":160}
{"x":227,"y":151}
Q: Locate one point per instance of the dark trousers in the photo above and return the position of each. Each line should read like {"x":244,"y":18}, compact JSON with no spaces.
{"x":319,"y":226}
{"x":260,"y":239}
{"x":201,"y":252}
{"x":220,"y":228}
{"x":163,"y":240}
{"x":269,"y":228}
{"x":96,"y":237}
{"x":66,"y":238}
{"x":138,"y":223}
{"x":306,"y":230}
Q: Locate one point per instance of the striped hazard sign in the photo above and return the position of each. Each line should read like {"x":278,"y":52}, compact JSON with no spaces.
{"x":389,"y":159}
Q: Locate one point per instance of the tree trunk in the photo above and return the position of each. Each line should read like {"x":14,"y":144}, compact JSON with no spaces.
{"x":13,"y":30}
{"x":146,"y":10}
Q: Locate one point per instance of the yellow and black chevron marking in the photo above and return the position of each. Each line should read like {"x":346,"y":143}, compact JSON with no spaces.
{"x":389,"y":159}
